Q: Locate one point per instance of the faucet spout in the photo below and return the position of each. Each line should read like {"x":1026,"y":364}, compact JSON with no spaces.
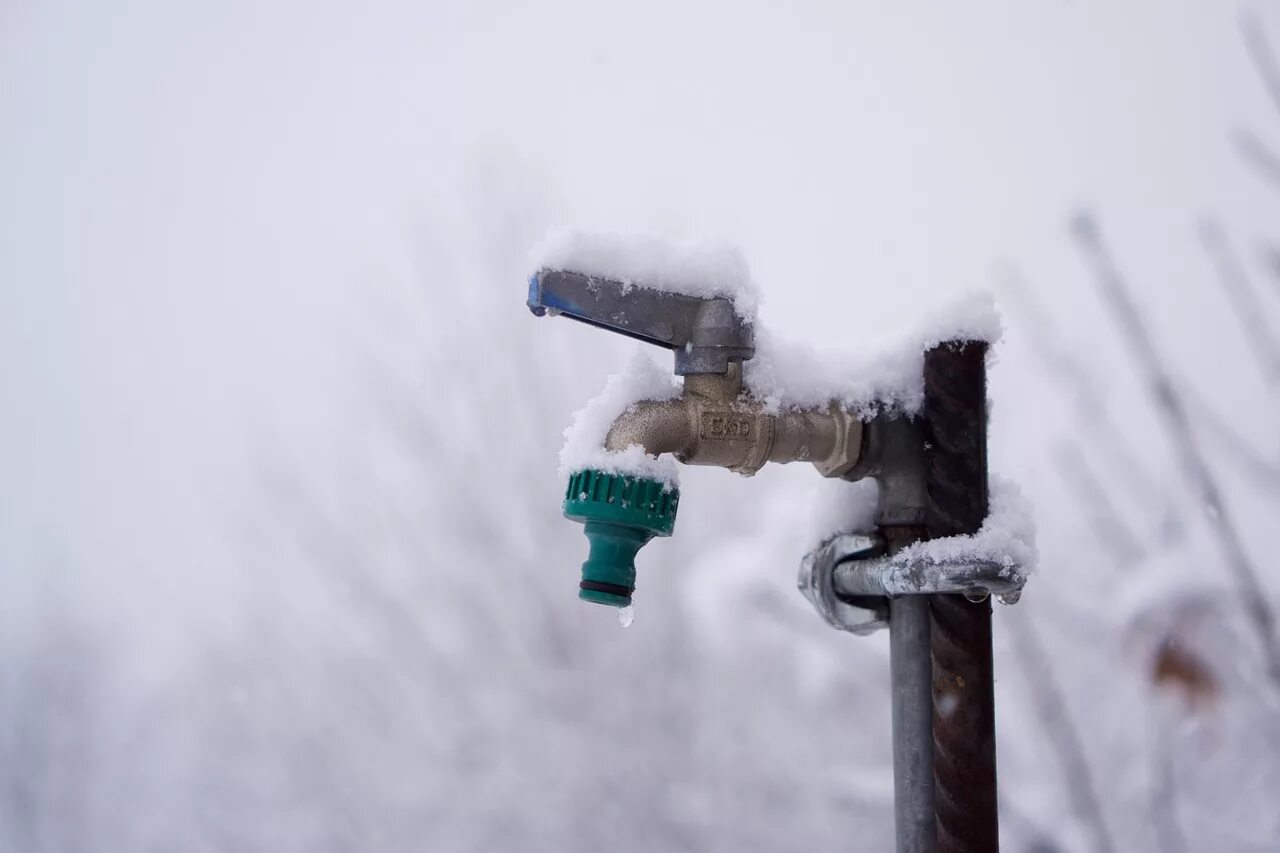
{"x":657,"y":426}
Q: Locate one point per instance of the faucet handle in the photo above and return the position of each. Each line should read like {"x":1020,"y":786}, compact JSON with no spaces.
{"x":706,"y":333}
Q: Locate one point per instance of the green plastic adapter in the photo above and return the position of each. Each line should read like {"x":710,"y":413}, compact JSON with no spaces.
{"x":621,"y":513}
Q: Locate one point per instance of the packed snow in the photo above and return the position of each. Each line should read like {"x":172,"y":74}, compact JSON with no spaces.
{"x":887,"y":374}
{"x":584,"y":439}
{"x":693,"y":268}
{"x":1007,"y":536}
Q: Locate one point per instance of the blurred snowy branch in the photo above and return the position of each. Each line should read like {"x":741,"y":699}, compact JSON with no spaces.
{"x":1248,"y":308}
{"x":1222,"y":435}
{"x":1068,"y":367}
{"x":1271,"y":257}
{"x":1255,"y":601}
{"x":1260,"y":51}
{"x":1109,"y":524}
{"x":1258,"y":46}
{"x":1258,"y":155}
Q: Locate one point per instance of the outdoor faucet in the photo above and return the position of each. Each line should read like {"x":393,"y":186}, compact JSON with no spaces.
{"x":930,"y":463}
{"x":714,"y":421}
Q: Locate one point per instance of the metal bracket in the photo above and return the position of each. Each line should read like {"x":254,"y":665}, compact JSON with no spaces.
{"x":848,"y":580}
{"x":817,"y":583}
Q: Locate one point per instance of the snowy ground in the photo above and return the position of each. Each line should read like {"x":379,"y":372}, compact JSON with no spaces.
{"x":281,"y":561}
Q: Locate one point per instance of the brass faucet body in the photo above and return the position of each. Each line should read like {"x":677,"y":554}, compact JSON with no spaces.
{"x":714,"y":422}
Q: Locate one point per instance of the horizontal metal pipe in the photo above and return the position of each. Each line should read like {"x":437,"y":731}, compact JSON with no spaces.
{"x":806,"y":436}
{"x":714,"y":423}
{"x":904,"y":574}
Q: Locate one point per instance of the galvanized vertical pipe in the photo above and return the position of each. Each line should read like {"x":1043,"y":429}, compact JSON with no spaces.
{"x":912,"y":679}
{"x":954,"y":423}
{"x":899,"y":466}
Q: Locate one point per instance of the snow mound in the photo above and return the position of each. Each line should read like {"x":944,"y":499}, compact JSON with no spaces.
{"x":584,"y":439}
{"x":789,"y":375}
{"x":694,"y":269}
{"x":1007,"y":537}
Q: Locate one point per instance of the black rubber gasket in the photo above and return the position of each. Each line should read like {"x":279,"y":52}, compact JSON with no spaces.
{"x":611,"y":588}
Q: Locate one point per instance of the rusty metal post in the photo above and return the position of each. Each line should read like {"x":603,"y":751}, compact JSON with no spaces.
{"x":954,"y":422}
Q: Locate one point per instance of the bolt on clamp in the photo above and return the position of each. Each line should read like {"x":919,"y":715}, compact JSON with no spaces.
{"x":849,"y":579}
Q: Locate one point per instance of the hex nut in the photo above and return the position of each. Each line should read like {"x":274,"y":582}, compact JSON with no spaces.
{"x":847,"y":447}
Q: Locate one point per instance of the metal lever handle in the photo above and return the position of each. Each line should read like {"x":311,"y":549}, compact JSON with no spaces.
{"x":705,"y":333}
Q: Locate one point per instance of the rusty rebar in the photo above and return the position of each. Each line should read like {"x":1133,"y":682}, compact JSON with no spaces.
{"x":954,"y":421}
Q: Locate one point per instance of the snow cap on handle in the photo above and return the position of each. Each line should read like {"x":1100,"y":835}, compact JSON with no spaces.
{"x":620,"y":513}
{"x":705,"y":332}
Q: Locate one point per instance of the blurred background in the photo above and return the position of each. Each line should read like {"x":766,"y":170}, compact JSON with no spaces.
{"x":282,"y":566}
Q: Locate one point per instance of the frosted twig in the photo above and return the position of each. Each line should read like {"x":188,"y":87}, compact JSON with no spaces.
{"x":1264,"y":58}
{"x":1108,"y":525}
{"x":1251,"y":461}
{"x":1173,"y":413}
{"x":1248,"y":309}
{"x":1271,"y":256}
{"x":1072,"y":373}
{"x":1258,"y":155}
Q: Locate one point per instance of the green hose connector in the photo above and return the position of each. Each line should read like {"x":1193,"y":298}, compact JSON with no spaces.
{"x":621,"y":514}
